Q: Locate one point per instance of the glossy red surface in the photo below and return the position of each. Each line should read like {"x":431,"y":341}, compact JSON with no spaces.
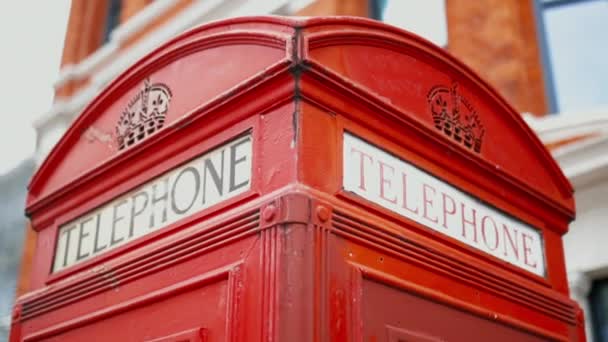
{"x":297,"y":258}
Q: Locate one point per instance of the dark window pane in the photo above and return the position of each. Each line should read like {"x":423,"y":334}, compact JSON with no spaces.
{"x":113,"y":18}
{"x":599,"y":309}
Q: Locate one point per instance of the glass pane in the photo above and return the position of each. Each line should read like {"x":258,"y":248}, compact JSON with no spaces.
{"x":599,"y":309}
{"x":578,"y":49}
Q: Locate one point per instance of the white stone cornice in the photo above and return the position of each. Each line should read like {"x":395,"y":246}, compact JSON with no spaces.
{"x":60,"y":107}
{"x":200,"y":11}
{"x":584,"y":162}
{"x":67,"y":73}
{"x":109,"y":61}
{"x":584,"y":155}
{"x":579,"y":283}
{"x":557,"y":127}
{"x":119,"y":35}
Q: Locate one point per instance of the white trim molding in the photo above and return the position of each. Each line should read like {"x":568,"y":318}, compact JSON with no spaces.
{"x":110,"y":60}
{"x":584,"y":160}
{"x":556,"y":127}
{"x":199,"y":12}
{"x":119,"y":35}
{"x":579,"y":283}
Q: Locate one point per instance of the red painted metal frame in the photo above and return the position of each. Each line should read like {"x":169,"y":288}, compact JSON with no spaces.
{"x":297,"y":258}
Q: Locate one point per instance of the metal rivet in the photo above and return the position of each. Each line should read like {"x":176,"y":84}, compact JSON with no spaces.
{"x":322,"y":213}
{"x":269,"y":212}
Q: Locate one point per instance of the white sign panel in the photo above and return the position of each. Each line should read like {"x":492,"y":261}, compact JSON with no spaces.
{"x":408,"y":191}
{"x":205,"y":181}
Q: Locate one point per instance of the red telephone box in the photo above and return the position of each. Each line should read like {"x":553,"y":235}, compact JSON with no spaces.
{"x":282,"y":179}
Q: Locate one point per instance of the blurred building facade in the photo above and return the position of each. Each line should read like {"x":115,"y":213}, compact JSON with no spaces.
{"x":12,"y":195}
{"x":508,"y":42}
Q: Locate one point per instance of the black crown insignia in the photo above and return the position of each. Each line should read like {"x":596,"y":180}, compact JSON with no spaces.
{"x":144,"y":114}
{"x":455,"y":116}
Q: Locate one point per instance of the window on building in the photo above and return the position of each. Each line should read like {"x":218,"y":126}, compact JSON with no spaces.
{"x":598,"y":299}
{"x":112,"y":19}
{"x":576,"y":44}
{"x":424,"y":18}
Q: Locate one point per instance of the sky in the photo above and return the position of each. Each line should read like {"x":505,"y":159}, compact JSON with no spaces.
{"x":31,"y":37}
{"x":426,"y":19}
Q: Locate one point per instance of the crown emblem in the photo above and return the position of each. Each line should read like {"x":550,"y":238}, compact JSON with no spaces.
{"x":455,"y":116}
{"x":144,"y":114}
